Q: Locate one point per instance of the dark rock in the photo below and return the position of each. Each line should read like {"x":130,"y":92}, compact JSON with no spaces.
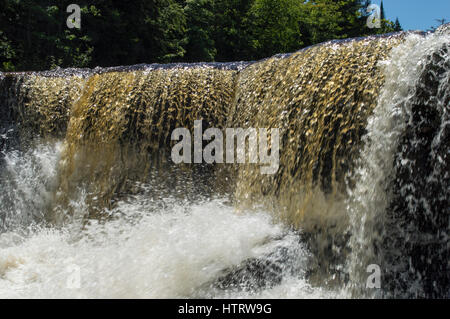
{"x":443,"y":29}
{"x":416,"y":249}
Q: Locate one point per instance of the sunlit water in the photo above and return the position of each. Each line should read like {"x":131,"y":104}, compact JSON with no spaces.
{"x":177,"y":248}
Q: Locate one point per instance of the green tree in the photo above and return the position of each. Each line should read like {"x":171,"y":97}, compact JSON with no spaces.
{"x":7,"y":53}
{"x":232,"y":29}
{"x":218,"y":30}
{"x":35,"y":35}
{"x":38,"y":37}
{"x":277,"y":26}
{"x":382,"y":12}
{"x":141,"y":31}
{"x":328,"y":19}
{"x":397,"y":25}
{"x":200,"y":44}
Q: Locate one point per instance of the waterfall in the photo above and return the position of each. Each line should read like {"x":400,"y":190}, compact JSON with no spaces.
{"x":381,"y":228}
{"x":89,"y":185}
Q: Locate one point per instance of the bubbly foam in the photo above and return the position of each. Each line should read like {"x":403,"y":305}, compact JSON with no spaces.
{"x":170,"y":253}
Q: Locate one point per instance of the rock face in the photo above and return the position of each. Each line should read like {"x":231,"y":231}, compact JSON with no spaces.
{"x":418,"y":224}
{"x":8,"y":125}
{"x":443,"y":29}
{"x":419,"y":216}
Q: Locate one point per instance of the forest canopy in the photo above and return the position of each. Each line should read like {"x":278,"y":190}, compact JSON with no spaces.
{"x":34,"y":34}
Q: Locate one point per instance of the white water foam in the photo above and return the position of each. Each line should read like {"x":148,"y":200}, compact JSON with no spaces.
{"x":27,"y":180}
{"x":175,"y":250}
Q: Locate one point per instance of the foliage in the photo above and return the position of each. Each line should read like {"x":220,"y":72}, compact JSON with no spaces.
{"x":277,"y":26}
{"x":34,"y":34}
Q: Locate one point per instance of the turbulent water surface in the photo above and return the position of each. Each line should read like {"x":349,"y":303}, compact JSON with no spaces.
{"x":149,"y":249}
{"x":91,"y":207}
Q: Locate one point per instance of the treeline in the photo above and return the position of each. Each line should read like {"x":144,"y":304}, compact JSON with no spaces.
{"x":34,"y":34}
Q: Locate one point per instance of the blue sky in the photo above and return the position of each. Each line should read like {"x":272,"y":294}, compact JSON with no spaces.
{"x":416,"y":14}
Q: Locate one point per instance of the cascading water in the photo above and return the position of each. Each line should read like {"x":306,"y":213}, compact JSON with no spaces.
{"x":149,"y":248}
{"x":374,"y":205}
{"x":88,"y":186}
